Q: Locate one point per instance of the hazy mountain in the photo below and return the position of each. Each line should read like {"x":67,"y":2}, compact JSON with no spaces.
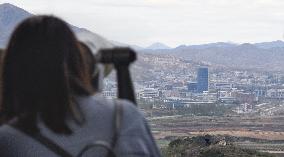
{"x":247,"y":56}
{"x":135,"y":47}
{"x":158,"y":46}
{"x":11,"y":16}
{"x":268,"y":45}
{"x":210,"y":45}
{"x":262,"y":45}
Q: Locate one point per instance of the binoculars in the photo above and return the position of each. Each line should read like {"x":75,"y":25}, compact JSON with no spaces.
{"x":121,"y":58}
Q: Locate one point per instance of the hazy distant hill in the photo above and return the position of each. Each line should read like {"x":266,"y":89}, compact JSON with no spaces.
{"x":262,"y":56}
{"x":217,"y":44}
{"x":268,"y":45}
{"x":11,"y":15}
{"x":158,"y":46}
{"x":135,"y":47}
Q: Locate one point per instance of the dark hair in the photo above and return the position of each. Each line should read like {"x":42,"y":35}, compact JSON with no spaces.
{"x":1,"y":62}
{"x":43,"y":71}
{"x":1,"y":55}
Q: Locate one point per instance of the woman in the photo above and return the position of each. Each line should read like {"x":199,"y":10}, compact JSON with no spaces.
{"x":46,"y":90}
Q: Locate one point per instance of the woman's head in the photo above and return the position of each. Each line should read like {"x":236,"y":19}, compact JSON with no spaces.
{"x":43,"y":70}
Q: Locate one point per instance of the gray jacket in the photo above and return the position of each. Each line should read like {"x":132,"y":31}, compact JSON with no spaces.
{"x":134,"y":140}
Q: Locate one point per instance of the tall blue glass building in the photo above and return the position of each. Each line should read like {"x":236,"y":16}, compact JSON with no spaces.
{"x":202,"y":80}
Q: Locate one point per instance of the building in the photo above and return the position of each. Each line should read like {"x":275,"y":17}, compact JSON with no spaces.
{"x":202,"y":80}
{"x":149,"y":93}
{"x":245,"y":108}
{"x":110,"y":94}
{"x":192,"y":87}
{"x":244,"y":97}
{"x":223,"y":86}
{"x":275,"y":93}
{"x":179,"y":103}
{"x":260,"y":92}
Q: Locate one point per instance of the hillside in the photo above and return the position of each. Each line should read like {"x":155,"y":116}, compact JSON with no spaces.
{"x":11,"y":16}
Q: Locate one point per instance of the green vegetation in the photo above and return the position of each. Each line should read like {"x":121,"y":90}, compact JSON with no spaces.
{"x":208,"y":146}
{"x":231,"y":151}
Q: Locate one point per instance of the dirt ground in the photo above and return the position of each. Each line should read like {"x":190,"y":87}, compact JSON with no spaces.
{"x":270,"y":128}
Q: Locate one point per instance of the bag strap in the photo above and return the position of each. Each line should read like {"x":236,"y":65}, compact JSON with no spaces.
{"x":52,"y":145}
{"x":63,"y":153}
{"x":43,"y":140}
{"x":117,"y":122}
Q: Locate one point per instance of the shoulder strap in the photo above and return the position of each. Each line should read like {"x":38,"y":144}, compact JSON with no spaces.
{"x":117,"y":122}
{"x":52,"y":146}
{"x":44,"y":141}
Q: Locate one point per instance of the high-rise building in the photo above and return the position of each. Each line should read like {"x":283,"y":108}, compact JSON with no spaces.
{"x":202,"y":79}
{"x":192,"y":87}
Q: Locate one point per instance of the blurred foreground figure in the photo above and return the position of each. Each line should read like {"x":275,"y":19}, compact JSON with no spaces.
{"x":1,"y":57}
{"x":47,"y":107}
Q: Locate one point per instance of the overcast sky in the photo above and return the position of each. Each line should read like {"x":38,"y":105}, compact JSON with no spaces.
{"x":172,"y":22}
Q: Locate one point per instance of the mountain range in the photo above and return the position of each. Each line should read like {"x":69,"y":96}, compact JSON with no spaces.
{"x":262,"y":45}
{"x":262,"y":56}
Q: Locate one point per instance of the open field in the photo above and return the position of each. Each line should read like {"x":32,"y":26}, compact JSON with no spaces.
{"x":269,"y":131}
{"x":271,"y":128}
{"x":268,"y":135}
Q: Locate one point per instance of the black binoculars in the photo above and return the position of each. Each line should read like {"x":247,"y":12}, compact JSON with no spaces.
{"x":121,"y":58}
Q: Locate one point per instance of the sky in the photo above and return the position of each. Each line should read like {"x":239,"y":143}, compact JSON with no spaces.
{"x":172,"y":22}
